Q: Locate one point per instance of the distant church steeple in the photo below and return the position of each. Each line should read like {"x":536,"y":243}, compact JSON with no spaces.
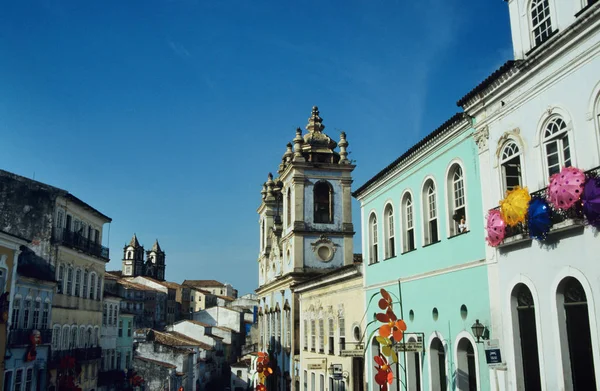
{"x":133,"y":260}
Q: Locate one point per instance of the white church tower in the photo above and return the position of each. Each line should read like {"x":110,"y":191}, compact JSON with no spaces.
{"x":305,"y":222}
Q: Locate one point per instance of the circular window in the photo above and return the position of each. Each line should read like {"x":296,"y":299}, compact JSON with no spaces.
{"x":356,"y":333}
{"x":435,"y":313}
{"x":463,"y":311}
{"x":411,"y":315}
{"x":324,"y":253}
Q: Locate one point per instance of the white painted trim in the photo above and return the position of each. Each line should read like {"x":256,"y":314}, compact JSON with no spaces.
{"x":386,"y":236}
{"x":424,"y":208}
{"x":13,"y":286}
{"x":433,"y":273}
{"x":566,"y":272}
{"x":510,"y":346}
{"x":449,"y":193}
{"x":465,"y":334}
{"x":372,"y":213}
{"x":594,"y":110}
{"x":498,"y":159}
{"x":402,"y":224}
{"x":432,"y":336}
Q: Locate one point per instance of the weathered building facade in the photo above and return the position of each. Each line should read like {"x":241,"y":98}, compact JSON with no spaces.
{"x":305,"y":228}
{"x":534,"y":116}
{"x":67,"y":233}
{"x":331,"y":327}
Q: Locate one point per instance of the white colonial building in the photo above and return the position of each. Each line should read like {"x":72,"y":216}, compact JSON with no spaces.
{"x":535,"y":115}
{"x":305,"y":222}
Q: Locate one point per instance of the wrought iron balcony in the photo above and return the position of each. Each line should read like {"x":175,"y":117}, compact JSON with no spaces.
{"x":21,"y":336}
{"x":79,"y":242}
{"x":574,"y":213}
{"x":79,"y":354}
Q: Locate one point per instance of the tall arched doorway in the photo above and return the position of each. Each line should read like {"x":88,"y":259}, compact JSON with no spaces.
{"x":466,"y":369}
{"x":527,"y":362}
{"x":575,"y":333}
{"x":414,"y":369}
{"x":437,"y":357}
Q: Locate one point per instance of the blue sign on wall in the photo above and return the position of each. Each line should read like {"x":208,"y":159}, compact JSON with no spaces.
{"x":493,"y":356}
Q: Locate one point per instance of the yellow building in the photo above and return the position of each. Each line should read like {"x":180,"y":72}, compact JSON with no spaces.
{"x":77,"y":307}
{"x":9,"y":253}
{"x":331,"y":329}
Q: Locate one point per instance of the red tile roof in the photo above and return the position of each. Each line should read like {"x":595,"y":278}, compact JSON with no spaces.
{"x":161,"y":363}
{"x":204,"y":283}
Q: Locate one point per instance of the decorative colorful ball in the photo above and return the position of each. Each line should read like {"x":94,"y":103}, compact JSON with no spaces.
{"x":539,"y":218}
{"x":514,"y":206}
{"x":590,"y":199}
{"x":495,"y":228}
{"x":565,"y":187}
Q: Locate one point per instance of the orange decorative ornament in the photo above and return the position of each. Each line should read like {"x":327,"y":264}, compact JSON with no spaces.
{"x":385,"y":303}
{"x":392,"y":326}
{"x":384,"y":375}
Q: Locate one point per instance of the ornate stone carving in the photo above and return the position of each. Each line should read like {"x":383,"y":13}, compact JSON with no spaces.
{"x":481,"y":138}
{"x":324,"y":248}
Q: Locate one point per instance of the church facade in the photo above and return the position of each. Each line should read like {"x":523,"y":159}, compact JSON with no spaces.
{"x":305,"y":224}
{"x":134,"y":264}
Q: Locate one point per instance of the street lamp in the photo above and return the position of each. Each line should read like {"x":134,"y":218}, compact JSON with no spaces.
{"x":478,"y":330}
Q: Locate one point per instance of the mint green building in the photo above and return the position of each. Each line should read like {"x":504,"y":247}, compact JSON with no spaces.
{"x":423,"y":234}
{"x":125,"y":341}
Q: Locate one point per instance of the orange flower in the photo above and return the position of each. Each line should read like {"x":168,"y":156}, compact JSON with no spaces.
{"x":384,"y":374}
{"x":392,"y":325}
{"x":260,"y":387}
{"x":385,"y":303}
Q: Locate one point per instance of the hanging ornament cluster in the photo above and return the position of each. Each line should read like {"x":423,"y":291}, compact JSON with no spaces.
{"x":570,"y":188}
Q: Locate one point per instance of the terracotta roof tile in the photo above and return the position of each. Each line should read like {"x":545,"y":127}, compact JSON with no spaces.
{"x":204,"y":283}
{"x":161,"y":363}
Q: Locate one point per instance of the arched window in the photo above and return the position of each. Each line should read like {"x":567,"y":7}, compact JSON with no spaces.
{"x":414,"y":369}
{"x":373,"y":248}
{"x":99,"y":289}
{"x":92,"y":285}
{"x":305,"y":334}
{"x":26,"y":313}
{"x":456,"y":200}
{"x":556,"y":145}
{"x":575,"y":333}
{"x":73,"y":337}
{"x":323,"y":202}
{"x":104,"y":314}
{"x":288,"y":205}
{"x":60,"y":279}
{"x":69,"y":289}
{"x":84,"y":289}
{"x":65,"y":338}
{"x":390,"y":244}
{"x":263,"y":235}
{"x":430,"y":212}
{"x":541,"y":25}
{"x":408,"y":226}
{"x":77,"y":282}
{"x":466,"y":370}
{"x":56,"y":337}
{"x":527,"y":362}
{"x":313,"y":336}
{"x":37,"y":306}
{"x":437,"y":357}
{"x":510,"y":164}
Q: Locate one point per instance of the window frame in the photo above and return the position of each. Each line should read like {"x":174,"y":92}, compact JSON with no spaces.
{"x":408,"y":229}
{"x":533,"y":26}
{"x":373,"y":239}
{"x":430,"y":215}
{"x":557,"y":137}
{"x":330,"y":204}
{"x":389,"y":231}
{"x":451,"y":196}
{"x":505,"y":158}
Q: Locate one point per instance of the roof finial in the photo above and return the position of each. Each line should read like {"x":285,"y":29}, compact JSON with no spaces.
{"x":298,"y":140}
{"x":343,"y":152}
{"x":315,"y":123}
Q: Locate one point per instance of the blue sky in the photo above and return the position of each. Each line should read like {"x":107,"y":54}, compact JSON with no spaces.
{"x":168,"y":115}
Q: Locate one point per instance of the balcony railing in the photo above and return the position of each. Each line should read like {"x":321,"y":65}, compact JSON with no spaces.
{"x":573,"y":213}
{"x":81,"y":354}
{"x":79,"y":242}
{"x":21,"y":336}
